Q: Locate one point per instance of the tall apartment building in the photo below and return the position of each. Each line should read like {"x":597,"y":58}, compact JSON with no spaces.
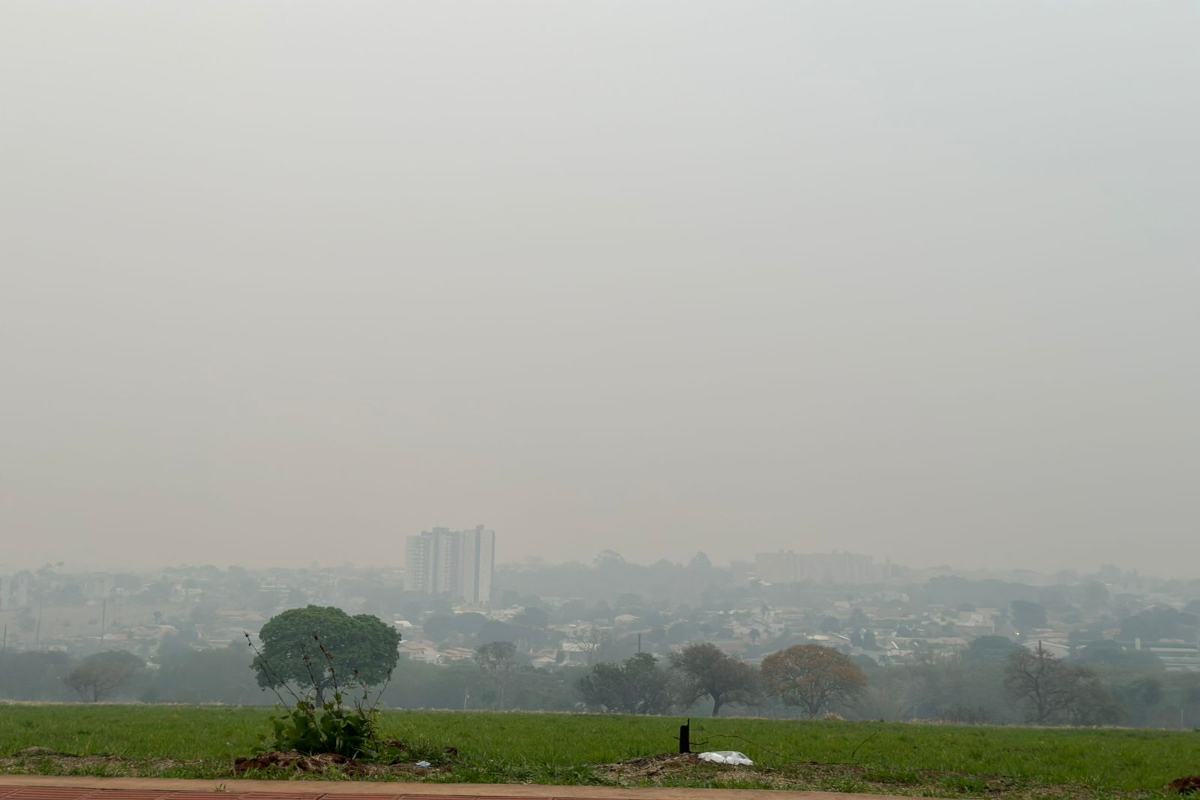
{"x":477,"y":557}
{"x":457,"y":563}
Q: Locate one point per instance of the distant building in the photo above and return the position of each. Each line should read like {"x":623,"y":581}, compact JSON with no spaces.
{"x":1176,"y":654}
{"x":477,"y":563}
{"x":14,"y":591}
{"x":457,"y":563}
{"x":830,"y":568}
{"x":421,"y":651}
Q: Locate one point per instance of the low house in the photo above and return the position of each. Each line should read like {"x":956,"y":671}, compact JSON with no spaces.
{"x":424,"y":652}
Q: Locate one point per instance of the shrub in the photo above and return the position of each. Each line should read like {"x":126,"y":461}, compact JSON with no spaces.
{"x":340,"y":725}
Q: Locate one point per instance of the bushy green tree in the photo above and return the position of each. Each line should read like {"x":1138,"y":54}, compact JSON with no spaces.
{"x":498,"y":660}
{"x":1055,"y":691}
{"x":1140,"y":697}
{"x":709,"y":672}
{"x":636,"y":686}
{"x":99,"y":676}
{"x":212,"y":675}
{"x":35,"y":675}
{"x":1161,"y":622}
{"x":360,"y":649}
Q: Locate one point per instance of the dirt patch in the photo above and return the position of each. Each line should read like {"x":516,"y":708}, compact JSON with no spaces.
{"x":290,"y":762}
{"x":688,"y":769}
{"x":29,"y":752}
{"x":1189,"y":784}
{"x":44,"y":761}
{"x":672,"y":766}
{"x":648,"y":768}
{"x":293,"y":763}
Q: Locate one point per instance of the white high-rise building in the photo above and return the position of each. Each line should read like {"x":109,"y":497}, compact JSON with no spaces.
{"x":428,"y":559}
{"x":458,"y":563}
{"x":477,"y":560}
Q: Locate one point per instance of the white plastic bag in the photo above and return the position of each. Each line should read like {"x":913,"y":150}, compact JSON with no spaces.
{"x":732,"y":757}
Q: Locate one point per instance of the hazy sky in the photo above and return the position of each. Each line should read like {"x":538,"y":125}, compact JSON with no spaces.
{"x":285,"y":281}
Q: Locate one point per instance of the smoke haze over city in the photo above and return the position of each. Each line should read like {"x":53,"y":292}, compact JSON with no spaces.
{"x":290,"y":283}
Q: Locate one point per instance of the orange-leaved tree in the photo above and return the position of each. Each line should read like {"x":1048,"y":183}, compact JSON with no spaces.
{"x":813,"y":677}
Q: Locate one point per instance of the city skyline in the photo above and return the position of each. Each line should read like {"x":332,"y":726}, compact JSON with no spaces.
{"x":742,"y":563}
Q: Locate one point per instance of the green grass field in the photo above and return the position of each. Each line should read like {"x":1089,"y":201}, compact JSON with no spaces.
{"x":930,"y":760}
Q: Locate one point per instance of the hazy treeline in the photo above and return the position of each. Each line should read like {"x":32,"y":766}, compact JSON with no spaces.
{"x":969,"y":688}
{"x":212,"y":675}
{"x":224,"y":675}
{"x":1126,"y":688}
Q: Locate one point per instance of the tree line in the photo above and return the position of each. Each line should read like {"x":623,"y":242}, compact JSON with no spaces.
{"x":993,"y":681}
{"x":809,"y":677}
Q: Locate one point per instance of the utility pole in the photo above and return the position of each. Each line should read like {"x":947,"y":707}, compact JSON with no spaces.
{"x":4,"y":649}
{"x":103,"y":621}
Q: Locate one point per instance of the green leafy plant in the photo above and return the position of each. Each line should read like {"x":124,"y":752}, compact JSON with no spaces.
{"x":345,"y":723}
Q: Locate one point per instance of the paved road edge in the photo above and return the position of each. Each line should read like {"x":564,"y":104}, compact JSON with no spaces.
{"x":394,"y":789}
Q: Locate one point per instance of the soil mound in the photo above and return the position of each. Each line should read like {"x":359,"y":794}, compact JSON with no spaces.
{"x":1189,"y":784}
{"x":668,"y":765}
